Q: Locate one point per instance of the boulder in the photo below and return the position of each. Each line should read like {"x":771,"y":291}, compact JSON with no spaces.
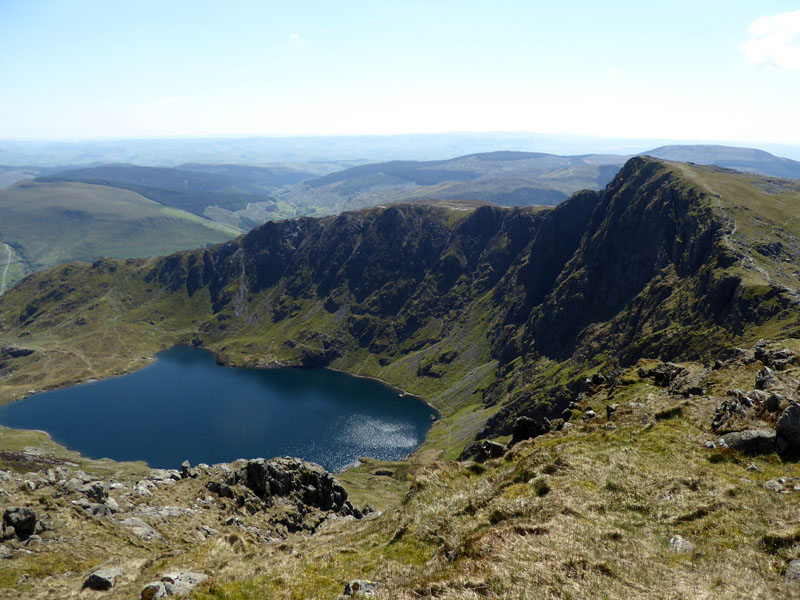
{"x":765,"y":379}
{"x":750,"y":441}
{"x":295,"y":479}
{"x":153,"y":591}
{"x":526,"y":428}
{"x":181,"y":583}
{"x":793,"y":571}
{"x":102,"y":579}
{"x":5,"y":552}
{"x":22,"y":519}
{"x":187,"y":471}
{"x":141,"y":529}
{"x":96,"y":490}
{"x":482,"y":450}
{"x":788,"y":429}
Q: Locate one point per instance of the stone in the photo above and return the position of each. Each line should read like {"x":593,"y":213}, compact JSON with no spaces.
{"x":680,"y":545}
{"x":22,"y":519}
{"x":141,"y":529}
{"x":526,"y":428}
{"x":664,"y":373}
{"x":187,"y":471}
{"x":102,"y":579}
{"x":589,"y":414}
{"x":153,"y":591}
{"x":765,"y":379}
{"x":750,"y":441}
{"x":5,"y":552}
{"x":773,"y":403}
{"x":181,"y":583}
{"x":788,"y":429}
{"x":360,"y":587}
{"x":96,"y":490}
{"x":793,"y":571}
{"x":774,"y":486}
{"x":610,"y":410}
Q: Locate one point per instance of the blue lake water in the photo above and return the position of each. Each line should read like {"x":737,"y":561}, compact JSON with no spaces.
{"x":185,"y":406}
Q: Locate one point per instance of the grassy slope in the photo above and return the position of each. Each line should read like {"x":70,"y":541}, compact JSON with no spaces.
{"x":52,"y":223}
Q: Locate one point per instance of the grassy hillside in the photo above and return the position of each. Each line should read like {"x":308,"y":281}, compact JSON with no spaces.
{"x":51,"y":223}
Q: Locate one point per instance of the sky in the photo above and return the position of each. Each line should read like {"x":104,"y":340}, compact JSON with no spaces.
{"x":87,"y":69}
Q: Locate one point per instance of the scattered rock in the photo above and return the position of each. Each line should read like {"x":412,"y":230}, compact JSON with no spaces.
{"x":5,"y":552}
{"x":102,"y":579}
{"x":680,"y":545}
{"x":750,"y":441}
{"x":526,"y":428}
{"x":589,"y":414}
{"x":793,"y":571}
{"x":610,"y":410}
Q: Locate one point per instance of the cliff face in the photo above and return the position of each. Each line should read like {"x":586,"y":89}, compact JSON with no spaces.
{"x":428,"y":295}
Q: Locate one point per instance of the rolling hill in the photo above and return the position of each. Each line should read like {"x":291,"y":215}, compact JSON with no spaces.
{"x":51,"y":223}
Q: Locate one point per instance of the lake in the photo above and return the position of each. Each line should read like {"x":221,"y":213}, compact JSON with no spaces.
{"x":186,"y":406}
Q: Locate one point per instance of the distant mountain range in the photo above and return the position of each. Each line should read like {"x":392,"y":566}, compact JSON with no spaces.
{"x":123,"y":210}
{"x":742,"y":159}
{"x":366,"y":148}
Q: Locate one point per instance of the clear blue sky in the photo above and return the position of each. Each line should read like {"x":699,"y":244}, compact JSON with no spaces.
{"x":703,"y":70}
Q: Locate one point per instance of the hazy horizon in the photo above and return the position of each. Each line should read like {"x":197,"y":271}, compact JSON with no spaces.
{"x":90,"y":71}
